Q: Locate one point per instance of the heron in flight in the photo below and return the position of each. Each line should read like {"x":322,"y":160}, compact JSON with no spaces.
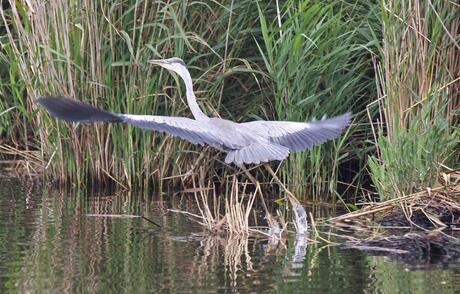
{"x":249,"y":142}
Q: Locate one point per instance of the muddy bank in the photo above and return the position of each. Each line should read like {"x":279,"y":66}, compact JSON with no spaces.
{"x":420,"y":229}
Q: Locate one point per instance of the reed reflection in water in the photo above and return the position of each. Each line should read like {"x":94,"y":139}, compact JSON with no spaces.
{"x":49,"y":243}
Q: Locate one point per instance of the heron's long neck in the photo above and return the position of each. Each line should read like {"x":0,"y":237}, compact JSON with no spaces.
{"x":191,"y":99}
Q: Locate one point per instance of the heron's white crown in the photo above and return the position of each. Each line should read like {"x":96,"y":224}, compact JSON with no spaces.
{"x":174,"y":64}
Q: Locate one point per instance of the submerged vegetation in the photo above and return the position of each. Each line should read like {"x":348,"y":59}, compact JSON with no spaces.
{"x":395,"y":64}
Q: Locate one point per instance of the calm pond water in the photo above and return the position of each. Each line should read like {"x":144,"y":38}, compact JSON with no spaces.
{"x":48,"y":243}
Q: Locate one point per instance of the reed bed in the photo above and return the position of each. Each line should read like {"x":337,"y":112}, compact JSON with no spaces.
{"x":417,"y":134}
{"x":393,"y":63}
{"x":97,"y":52}
{"x":318,"y":57}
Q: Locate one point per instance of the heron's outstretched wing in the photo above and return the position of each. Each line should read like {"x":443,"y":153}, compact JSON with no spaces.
{"x":188,"y":129}
{"x":299,"y":136}
{"x":197,"y":132}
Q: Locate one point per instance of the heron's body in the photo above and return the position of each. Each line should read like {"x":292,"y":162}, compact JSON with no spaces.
{"x":234,"y":135}
{"x":251,"y":142}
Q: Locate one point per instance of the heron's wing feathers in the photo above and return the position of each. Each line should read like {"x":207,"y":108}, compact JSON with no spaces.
{"x":194,"y":131}
{"x":74,"y":110}
{"x":197,"y":132}
{"x":256,"y":153}
{"x":299,"y":136}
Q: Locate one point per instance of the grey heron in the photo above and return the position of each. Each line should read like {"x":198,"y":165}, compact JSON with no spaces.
{"x":249,"y":142}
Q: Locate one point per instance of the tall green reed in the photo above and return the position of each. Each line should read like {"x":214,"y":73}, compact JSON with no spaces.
{"x":97,"y":52}
{"x":317,"y":57}
{"x":290,"y":60}
{"x":418,"y":93}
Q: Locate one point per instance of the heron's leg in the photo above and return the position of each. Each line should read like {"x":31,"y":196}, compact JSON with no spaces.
{"x":272,"y":223}
{"x":300,"y":215}
{"x":291,"y":196}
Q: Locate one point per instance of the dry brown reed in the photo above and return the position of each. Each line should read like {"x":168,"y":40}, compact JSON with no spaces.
{"x":97,"y":52}
{"x":431,"y":203}
{"x":238,"y":215}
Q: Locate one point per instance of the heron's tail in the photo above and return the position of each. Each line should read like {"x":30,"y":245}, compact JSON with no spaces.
{"x":74,"y":110}
{"x":257,"y":152}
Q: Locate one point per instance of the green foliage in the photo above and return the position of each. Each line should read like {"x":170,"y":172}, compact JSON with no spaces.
{"x":97,"y":52}
{"x":412,"y":158}
{"x":317,"y":57}
{"x":286,"y":60}
{"x":417,"y":95}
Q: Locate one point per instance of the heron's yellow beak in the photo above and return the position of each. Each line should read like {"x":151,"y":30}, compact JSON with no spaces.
{"x":156,"y":62}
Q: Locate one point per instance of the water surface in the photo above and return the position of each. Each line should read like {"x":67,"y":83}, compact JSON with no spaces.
{"x":48,"y":243}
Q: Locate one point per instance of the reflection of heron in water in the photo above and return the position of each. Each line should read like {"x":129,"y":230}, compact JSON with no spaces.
{"x":250,"y":142}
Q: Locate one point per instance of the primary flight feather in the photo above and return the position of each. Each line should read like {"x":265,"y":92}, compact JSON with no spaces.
{"x":251,"y":142}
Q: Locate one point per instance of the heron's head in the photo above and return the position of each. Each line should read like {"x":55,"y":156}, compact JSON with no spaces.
{"x":174,"y":64}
